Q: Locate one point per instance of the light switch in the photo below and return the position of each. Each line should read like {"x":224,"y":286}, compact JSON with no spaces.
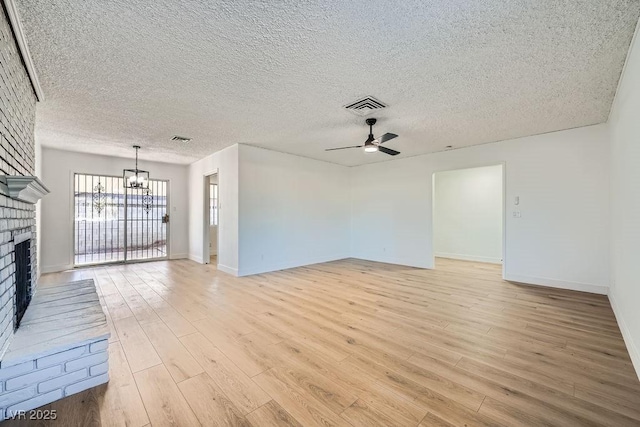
{"x":517,"y":214}
{"x":516,"y":200}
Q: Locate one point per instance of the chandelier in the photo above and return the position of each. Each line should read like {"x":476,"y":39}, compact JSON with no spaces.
{"x":136,"y":178}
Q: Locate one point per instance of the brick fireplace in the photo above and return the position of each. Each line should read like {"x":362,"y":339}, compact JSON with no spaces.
{"x":17,"y":158}
{"x":61,"y":346}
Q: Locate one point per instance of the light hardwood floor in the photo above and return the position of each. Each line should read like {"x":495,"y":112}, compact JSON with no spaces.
{"x":352,"y":343}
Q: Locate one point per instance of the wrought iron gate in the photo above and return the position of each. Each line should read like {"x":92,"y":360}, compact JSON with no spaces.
{"x":114,"y":224}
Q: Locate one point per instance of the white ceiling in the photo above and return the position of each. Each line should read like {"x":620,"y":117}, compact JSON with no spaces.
{"x":277,"y":73}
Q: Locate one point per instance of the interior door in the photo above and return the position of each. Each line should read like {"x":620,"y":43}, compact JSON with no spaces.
{"x":114,"y":224}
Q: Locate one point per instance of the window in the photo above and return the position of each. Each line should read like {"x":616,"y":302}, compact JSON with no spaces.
{"x":213,"y":204}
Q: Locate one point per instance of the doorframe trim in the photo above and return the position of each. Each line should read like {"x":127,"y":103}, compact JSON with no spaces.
{"x":206,"y":232}
{"x":504,"y":207}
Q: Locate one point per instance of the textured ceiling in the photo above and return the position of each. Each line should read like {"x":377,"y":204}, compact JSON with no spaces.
{"x":277,"y":73}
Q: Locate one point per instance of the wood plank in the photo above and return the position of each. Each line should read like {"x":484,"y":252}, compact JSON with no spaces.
{"x":80,"y":409}
{"x":209,"y":403}
{"x":362,"y":414}
{"x":178,"y":361}
{"x":272,"y":415}
{"x":178,"y":324}
{"x":121,"y":403}
{"x":239,"y":388}
{"x":232,"y":348}
{"x":300,"y":404}
{"x":137,"y":347}
{"x":165,"y":404}
{"x":431,"y":420}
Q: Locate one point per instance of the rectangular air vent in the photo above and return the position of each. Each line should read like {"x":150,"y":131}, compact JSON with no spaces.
{"x":180,"y":138}
{"x":365,"y":106}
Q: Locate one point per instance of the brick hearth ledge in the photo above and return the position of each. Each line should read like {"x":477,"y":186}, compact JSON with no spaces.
{"x":61,"y":348}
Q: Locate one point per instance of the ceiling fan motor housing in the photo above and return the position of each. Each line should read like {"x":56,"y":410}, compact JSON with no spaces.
{"x":371,"y":138}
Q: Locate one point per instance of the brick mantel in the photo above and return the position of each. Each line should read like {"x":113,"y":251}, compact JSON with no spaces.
{"x":28,"y":189}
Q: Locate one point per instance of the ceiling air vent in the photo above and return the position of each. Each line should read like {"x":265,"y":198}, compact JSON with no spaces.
{"x":365,"y":106}
{"x":180,"y":138}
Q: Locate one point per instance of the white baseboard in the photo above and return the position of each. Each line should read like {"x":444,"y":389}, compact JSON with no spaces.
{"x":195,"y":258}
{"x":626,"y":334}
{"x":560,"y":284}
{"x":179,"y":256}
{"x":426,"y":263}
{"x":289,"y":264}
{"x":223,"y":268}
{"x":55,"y":268}
{"x":228,"y":270}
{"x":469,"y":257}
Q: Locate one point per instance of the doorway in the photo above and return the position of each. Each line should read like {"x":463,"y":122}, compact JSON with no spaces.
{"x":212,"y":229}
{"x":468,"y":214}
{"x":117,"y":224}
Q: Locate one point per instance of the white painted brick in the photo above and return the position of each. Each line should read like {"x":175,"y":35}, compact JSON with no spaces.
{"x":99,"y":346}
{"x":15,"y":370}
{"x":62,"y":381}
{"x":17,"y":152}
{"x":86,"y":361}
{"x":41,"y":399}
{"x":63,"y":356}
{"x":34,"y":377}
{"x":86,"y":384}
{"x":11,"y":398}
{"x":99,"y":369}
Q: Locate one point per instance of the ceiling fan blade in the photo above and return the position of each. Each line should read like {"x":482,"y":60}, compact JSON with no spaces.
{"x":344,"y":148}
{"x":388,"y":151}
{"x":386,"y":137}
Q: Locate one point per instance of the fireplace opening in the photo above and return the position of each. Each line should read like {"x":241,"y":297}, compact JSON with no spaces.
{"x":22,"y":253}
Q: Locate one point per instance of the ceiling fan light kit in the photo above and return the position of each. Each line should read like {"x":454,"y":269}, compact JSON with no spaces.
{"x":372,"y":144}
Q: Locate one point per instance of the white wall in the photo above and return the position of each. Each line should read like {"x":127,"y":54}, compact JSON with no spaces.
{"x":625,"y":200}
{"x":38,"y":172}
{"x":225,"y":163}
{"x":293,"y":211}
{"x":56,"y":230}
{"x":562,"y":179}
{"x":467,"y":214}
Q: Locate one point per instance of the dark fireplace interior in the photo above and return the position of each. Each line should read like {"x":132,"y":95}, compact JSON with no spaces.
{"x":23,"y":279}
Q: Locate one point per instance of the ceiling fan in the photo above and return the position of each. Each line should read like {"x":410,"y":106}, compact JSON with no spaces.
{"x":373,"y":144}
